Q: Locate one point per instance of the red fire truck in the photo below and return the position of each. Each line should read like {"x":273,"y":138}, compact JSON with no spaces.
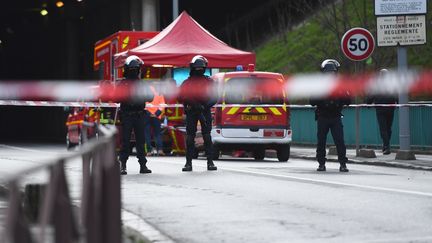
{"x":106,"y":48}
{"x":104,"y":52}
{"x":75,"y":125}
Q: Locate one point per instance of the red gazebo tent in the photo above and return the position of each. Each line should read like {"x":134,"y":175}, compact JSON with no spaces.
{"x":179,"y":42}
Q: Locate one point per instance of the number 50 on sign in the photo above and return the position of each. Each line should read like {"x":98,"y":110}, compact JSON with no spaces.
{"x":357,"y":44}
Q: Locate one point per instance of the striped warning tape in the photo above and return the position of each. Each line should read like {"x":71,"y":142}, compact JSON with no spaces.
{"x":56,"y":103}
{"x":114,"y":105}
{"x":296,"y":87}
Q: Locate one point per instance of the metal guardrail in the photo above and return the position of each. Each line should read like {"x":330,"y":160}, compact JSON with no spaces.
{"x":99,"y":219}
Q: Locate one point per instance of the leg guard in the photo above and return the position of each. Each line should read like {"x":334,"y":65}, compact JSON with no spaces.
{"x":209,"y":152}
{"x":123,"y":168}
{"x":190,"y":147}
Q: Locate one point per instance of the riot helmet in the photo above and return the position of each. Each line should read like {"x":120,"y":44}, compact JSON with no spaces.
{"x":132,"y":67}
{"x":330,"y":65}
{"x":198,"y":64}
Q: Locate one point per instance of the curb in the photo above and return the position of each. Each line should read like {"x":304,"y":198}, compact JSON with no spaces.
{"x":137,"y":230}
{"x":378,"y":163}
{"x":271,"y":154}
{"x":356,"y":161}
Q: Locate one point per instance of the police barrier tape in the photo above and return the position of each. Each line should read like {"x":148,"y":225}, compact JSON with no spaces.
{"x":295,"y":87}
{"x":115,"y":105}
{"x":56,"y":103}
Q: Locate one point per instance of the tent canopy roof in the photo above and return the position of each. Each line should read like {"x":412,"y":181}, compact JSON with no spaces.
{"x":179,"y":42}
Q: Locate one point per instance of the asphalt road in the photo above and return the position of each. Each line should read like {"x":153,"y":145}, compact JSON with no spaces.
{"x":270,"y":201}
{"x":248,"y":201}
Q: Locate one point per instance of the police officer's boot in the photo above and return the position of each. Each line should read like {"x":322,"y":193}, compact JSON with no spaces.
{"x":210,"y":164}
{"x":144,"y":169}
{"x":188,"y":165}
{"x":190,"y":149}
{"x":208,"y":147}
{"x":123,"y":168}
{"x":321,"y":167}
{"x":343,"y":168}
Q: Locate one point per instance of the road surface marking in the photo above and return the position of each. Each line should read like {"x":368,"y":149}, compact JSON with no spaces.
{"x":376,"y":188}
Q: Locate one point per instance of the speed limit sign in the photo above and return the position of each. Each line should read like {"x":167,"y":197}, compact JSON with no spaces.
{"x":357,"y":44}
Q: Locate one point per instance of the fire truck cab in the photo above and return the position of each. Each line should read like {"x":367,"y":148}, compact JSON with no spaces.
{"x":104,"y":52}
{"x":251,"y":114}
{"x":106,"y":48}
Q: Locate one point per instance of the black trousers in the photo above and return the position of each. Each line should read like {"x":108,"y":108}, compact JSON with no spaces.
{"x":135,"y":121}
{"x":385,"y":122}
{"x":192,"y":118}
{"x":336,"y":127}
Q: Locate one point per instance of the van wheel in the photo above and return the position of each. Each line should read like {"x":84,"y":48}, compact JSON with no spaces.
{"x":80,"y":139}
{"x":69,"y":145}
{"x":259,"y":154}
{"x":283,"y":153}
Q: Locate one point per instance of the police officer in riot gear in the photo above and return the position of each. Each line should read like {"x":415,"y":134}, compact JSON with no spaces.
{"x":197,"y":98}
{"x":328,"y":115}
{"x":384,"y":115}
{"x":132,"y":117}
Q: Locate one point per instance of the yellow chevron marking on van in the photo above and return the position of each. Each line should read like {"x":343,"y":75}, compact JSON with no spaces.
{"x":260,"y":110}
{"x":233,"y":110}
{"x":275,"y":111}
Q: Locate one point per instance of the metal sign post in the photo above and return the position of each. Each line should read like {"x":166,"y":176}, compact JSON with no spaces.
{"x":404,"y":152}
{"x":404,"y":132}
{"x":402,"y":23}
{"x":357,"y":118}
{"x":357,"y":44}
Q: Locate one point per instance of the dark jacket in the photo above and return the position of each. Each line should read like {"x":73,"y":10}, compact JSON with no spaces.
{"x":329,"y":108}
{"x":383,"y":99}
{"x":134,"y":105}
{"x":197,"y":92}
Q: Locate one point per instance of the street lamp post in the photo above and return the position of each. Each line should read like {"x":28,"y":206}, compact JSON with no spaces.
{"x":175,"y":9}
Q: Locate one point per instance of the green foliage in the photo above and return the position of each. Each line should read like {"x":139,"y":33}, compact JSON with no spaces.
{"x":301,"y":49}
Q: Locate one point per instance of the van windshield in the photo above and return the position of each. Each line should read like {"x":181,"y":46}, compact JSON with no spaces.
{"x":255,"y":90}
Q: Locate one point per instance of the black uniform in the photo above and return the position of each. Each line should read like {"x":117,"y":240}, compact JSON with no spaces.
{"x":328,"y":115}
{"x":197,"y":108}
{"x":132,"y":116}
{"x":385,"y":118}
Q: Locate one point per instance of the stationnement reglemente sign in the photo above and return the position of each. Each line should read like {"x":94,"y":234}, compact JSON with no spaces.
{"x":401,"y":30}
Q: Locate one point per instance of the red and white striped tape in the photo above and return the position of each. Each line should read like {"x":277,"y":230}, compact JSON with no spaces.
{"x":296,"y":87}
{"x":56,"y":103}
{"x":389,"y":83}
{"x":115,"y":105}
